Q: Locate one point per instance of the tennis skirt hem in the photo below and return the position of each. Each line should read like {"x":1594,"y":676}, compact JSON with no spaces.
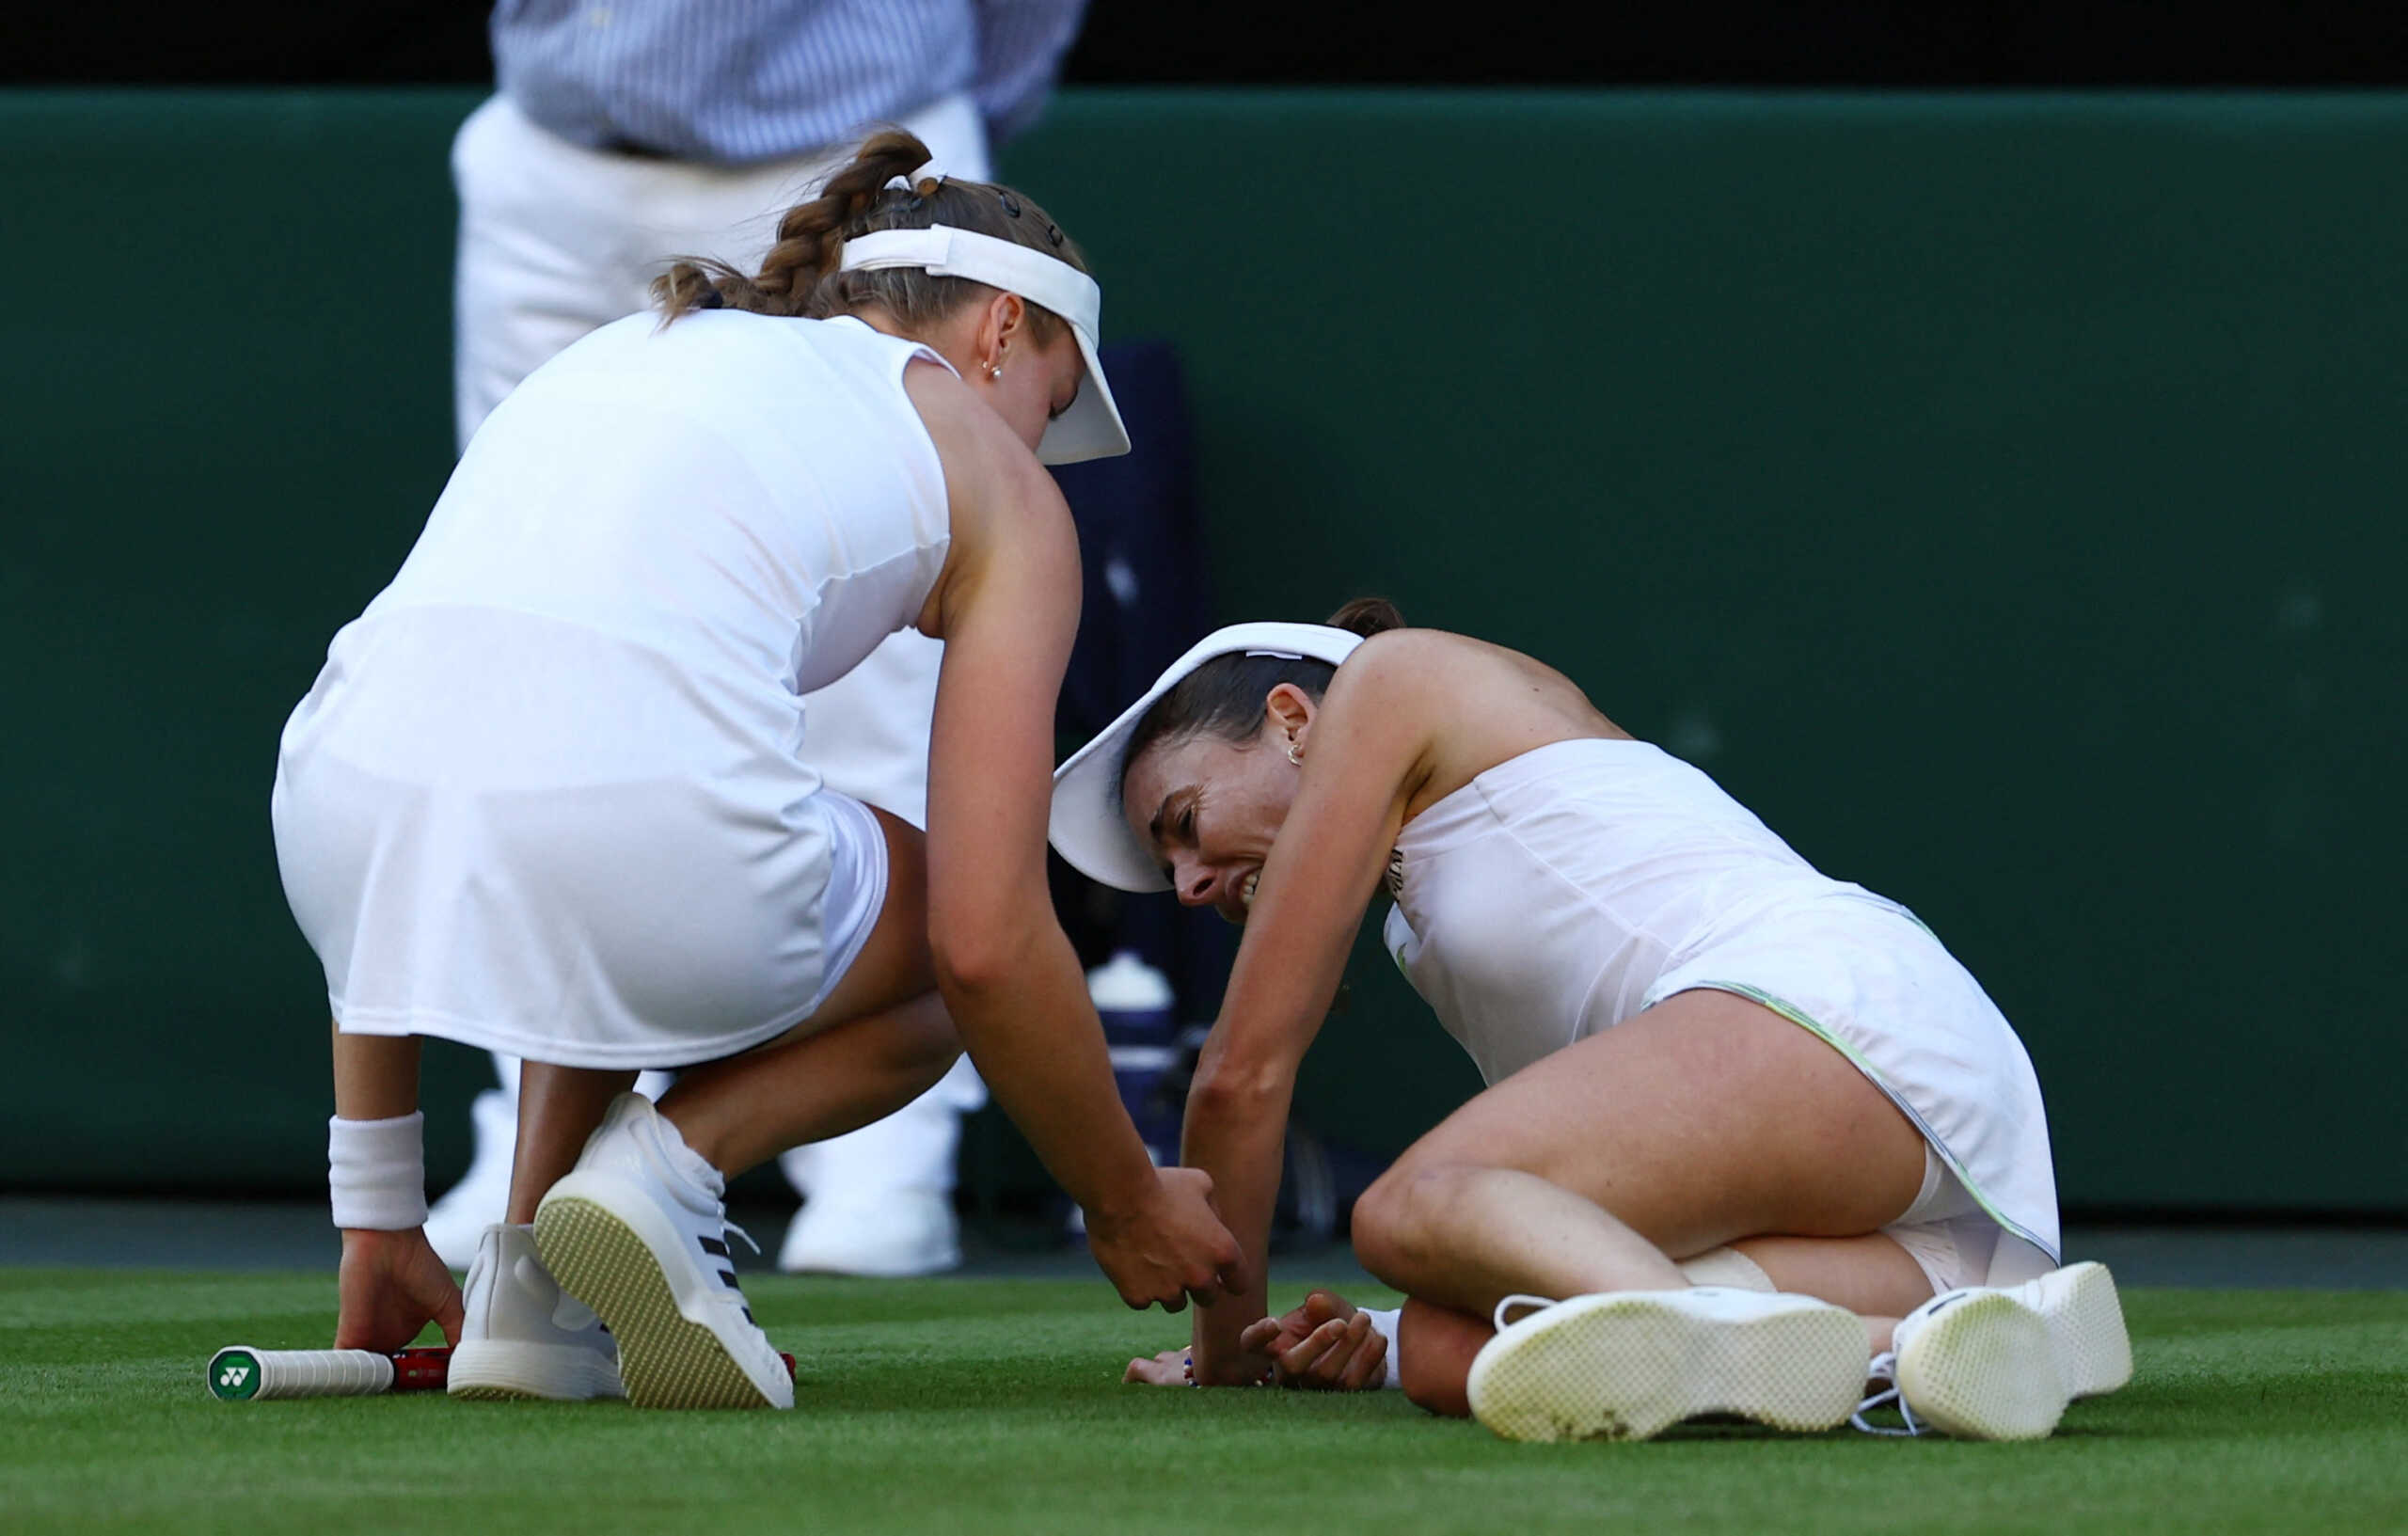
{"x":642,"y":1055}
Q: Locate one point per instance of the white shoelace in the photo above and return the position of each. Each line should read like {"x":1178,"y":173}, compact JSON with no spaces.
{"x":1885,"y":1368}
{"x":1536,"y":1303}
{"x":745,"y":1235}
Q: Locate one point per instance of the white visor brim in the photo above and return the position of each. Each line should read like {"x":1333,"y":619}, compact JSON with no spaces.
{"x":1091,"y":428}
{"x":1088,"y":827}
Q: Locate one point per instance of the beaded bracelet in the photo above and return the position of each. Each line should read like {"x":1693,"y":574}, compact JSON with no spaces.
{"x":1187,"y":1364}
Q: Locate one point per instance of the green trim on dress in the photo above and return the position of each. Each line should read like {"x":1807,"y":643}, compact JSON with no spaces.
{"x":1805,"y":1022}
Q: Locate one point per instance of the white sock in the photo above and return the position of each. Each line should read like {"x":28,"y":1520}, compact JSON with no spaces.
{"x":1730,"y":1268}
{"x":1384,"y":1324}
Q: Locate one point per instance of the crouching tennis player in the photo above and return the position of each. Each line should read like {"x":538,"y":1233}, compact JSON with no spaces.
{"x":548,"y":796}
{"x":1747,"y":1128}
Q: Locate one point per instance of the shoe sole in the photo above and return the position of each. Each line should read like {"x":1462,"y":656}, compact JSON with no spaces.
{"x":1983,"y":1368}
{"x":1627,"y":1366}
{"x":666,"y":1360}
{"x":1994,"y":1367}
{"x":2085,"y":1319}
{"x":503,"y":1370}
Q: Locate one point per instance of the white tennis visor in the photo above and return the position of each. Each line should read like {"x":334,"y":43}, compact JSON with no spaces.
{"x":1091,"y":428}
{"x":1087,"y":826}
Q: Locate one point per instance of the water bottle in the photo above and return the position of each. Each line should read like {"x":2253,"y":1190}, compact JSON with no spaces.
{"x":1136,"y":1005}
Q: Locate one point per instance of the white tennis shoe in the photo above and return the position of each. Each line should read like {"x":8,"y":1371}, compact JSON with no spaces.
{"x":523,"y":1336}
{"x":645,"y":1245}
{"x":903,"y":1233}
{"x":1626,"y":1365}
{"x":2002,"y":1363}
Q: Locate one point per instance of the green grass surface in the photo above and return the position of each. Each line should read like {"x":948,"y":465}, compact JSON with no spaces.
{"x":993,"y":1407}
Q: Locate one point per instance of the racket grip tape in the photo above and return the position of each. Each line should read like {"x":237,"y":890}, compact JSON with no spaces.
{"x":240,"y":1373}
{"x":243,"y":1374}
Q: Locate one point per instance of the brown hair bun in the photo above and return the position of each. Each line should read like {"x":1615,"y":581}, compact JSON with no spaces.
{"x":1367,"y":616}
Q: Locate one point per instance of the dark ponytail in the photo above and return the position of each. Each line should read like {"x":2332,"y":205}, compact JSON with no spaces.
{"x":1223,"y":699}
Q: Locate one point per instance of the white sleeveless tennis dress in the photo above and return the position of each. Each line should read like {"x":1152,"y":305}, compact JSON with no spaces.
{"x":1565,"y":890}
{"x":545,"y":796}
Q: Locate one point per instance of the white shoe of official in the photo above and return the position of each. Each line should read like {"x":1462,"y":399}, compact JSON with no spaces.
{"x":904,"y":1233}
{"x":1985,"y":1363}
{"x":638,"y":1231}
{"x":1626,"y":1365}
{"x":456,"y":1223}
{"x":523,"y":1336}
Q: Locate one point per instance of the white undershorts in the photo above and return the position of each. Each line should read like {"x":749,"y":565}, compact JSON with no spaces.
{"x":1954,"y":1242}
{"x":1944,"y":1231}
{"x":857,"y":872}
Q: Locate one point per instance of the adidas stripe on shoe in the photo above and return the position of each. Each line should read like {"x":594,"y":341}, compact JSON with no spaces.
{"x":644,"y":1245}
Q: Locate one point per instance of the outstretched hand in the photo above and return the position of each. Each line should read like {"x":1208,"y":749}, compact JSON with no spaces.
{"x":1171,"y":1248}
{"x":1326,"y":1345}
{"x":390,"y":1286}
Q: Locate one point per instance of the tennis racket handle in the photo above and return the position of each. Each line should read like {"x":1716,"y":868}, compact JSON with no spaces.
{"x":243,"y":1374}
{"x":240,"y":1373}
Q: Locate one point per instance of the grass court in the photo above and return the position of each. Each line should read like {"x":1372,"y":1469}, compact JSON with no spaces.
{"x":993,"y":1407}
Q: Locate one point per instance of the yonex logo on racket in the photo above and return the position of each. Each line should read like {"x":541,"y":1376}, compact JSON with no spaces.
{"x":234,"y":1375}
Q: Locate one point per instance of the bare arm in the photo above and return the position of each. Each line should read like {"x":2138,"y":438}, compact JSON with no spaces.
{"x":1007,"y":612}
{"x":1366,"y":753}
{"x":375,"y":1075}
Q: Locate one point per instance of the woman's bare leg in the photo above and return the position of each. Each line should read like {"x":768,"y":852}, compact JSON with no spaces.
{"x":1705,"y":1120}
{"x":1871,"y":1276}
{"x":881,"y":1040}
{"x":1465,"y":1237}
{"x":558,"y":1108}
{"x":1435,"y":1346}
{"x":746,"y":1109}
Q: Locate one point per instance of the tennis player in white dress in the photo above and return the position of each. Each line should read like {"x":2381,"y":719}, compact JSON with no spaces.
{"x":1747,"y":1125}
{"x":546,"y":796}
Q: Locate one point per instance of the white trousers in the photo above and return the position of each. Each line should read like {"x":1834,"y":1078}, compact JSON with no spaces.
{"x":557,"y":240}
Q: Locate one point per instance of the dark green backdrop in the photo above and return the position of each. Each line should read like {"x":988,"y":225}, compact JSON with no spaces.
{"x":2001,"y":495}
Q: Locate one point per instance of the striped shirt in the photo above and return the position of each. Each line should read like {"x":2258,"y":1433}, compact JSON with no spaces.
{"x":730,"y":81}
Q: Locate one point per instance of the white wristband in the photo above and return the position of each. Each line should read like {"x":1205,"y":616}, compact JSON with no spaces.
{"x":1384,"y":1324}
{"x":376,"y":1172}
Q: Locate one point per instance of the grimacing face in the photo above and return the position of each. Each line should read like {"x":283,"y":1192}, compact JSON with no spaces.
{"x":1209,"y":812}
